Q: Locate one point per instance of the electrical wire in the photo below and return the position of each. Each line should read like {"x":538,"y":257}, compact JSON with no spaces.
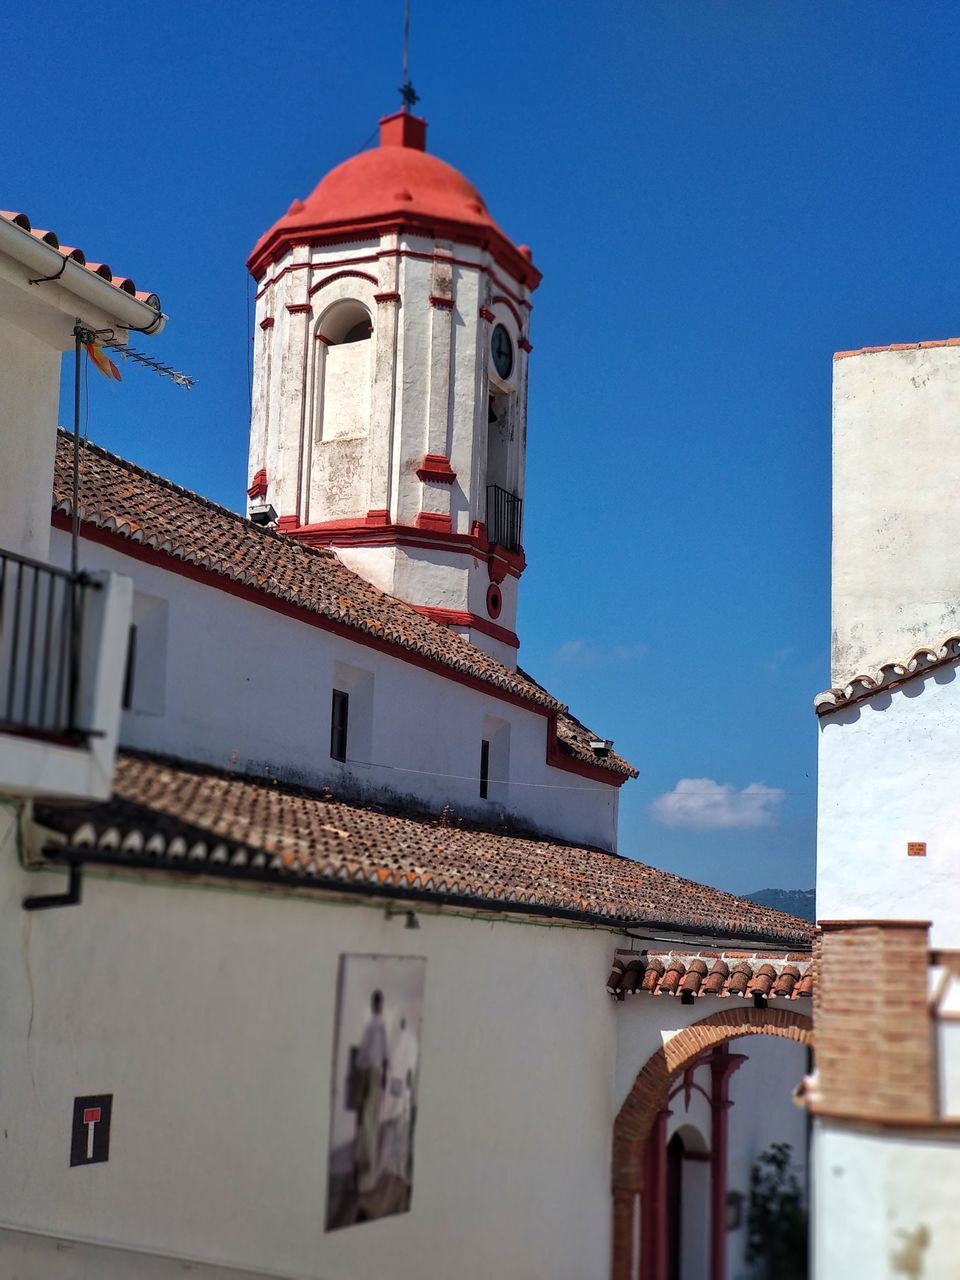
{"x":466,"y":777}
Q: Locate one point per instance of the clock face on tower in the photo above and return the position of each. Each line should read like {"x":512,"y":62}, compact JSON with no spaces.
{"x":501,"y":348}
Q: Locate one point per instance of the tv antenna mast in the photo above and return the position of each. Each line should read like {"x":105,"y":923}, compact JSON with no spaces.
{"x":408,"y":95}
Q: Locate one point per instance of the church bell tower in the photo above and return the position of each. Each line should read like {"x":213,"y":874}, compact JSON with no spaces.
{"x":390,"y":383}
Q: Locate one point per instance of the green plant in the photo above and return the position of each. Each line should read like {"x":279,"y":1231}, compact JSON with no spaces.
{"x":777,"y":1217}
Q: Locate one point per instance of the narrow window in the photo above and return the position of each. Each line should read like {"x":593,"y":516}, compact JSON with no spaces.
{"x":484,"y":768}
{"x":338,"y":725}
{"x":130,"y":672}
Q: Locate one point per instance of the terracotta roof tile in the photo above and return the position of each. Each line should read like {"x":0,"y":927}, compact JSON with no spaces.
{"x":78,"y":256}
{"x":786,"y":975}
{"x":898,"y":346}
{"x":186,"y":818}
{"x":125,"y":499}
{"x":888,"y":675}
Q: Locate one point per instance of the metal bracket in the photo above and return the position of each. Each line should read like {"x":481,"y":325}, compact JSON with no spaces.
{"x":69,"y":899}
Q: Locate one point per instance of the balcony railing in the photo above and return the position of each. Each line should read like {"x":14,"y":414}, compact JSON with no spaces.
{"x":504,"y":517}
{"x":41,"y":629}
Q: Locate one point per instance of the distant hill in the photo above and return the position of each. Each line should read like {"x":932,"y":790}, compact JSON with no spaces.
{"x":796,"y":902}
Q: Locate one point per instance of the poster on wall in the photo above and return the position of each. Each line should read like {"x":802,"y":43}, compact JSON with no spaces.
{"x":373,"y":1106}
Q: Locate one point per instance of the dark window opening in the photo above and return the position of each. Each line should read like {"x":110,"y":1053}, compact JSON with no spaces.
{"x":130,"y":671}
{"x":359,"y":333}
{"x":338,"y":725}
{"x":484,"y":768}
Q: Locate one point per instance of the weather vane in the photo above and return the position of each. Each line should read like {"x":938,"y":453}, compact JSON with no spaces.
{"x":408,"y":95}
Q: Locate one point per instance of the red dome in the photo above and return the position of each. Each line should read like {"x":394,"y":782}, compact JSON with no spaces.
{"x":396,"y":185}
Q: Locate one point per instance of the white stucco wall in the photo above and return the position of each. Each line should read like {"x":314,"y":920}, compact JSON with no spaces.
{"x":888,"y":777}
{"x":248,"y":688}
{"x":29,"y":391}
{"x":878,"y":1198}
{"x":896,"y":473}
{"x":209,"y":1014}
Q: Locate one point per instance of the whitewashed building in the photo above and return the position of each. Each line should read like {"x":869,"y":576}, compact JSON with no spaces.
{"x":347,"y":831}
{"x":886,"y":1096}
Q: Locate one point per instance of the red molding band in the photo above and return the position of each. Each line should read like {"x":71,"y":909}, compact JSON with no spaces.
{"x":438,"y":521}
{"x":461,"y":618}
{"x":445,"y":304}
{"x":267,"y":322}
{"x":299,"y":308}
{"x":435,"y":466}
{"x":343,"y":275}
{"x":369,"y":532}
{"x":489,"y":238}
{"x":258,"y":486}
{"x":376,"y":257}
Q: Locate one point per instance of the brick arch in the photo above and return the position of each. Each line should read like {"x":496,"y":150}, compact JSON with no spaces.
{"x":651,"y":1086}
{"x":649,"y":1092}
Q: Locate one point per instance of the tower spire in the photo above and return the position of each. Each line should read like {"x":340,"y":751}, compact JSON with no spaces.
{"x":408,"y":95}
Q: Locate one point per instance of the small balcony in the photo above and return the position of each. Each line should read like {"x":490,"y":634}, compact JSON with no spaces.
{"x":63,"y":642}
{"x":504,"y":517}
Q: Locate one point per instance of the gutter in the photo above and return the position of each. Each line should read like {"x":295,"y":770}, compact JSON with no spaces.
{"x":128,"y":311}
{"x":74,"y":856}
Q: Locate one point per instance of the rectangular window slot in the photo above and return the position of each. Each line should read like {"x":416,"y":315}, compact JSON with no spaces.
{"x":130,"y":672}
{"x":484,"y":768}
{"x":338,"y":725}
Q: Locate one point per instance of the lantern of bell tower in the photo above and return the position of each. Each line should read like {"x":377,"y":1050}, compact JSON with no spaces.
{"x":390,"y":383}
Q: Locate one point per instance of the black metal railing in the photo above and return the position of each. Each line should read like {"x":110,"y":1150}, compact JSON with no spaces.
{"x":504,"y":517}
{"x":41,"y":628}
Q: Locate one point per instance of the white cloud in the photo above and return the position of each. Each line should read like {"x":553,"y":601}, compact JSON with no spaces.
{"x":579,"y":653}
{"x":700,"y":804}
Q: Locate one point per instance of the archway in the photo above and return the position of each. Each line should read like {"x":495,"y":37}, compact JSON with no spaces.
{"x":644,"y":1109}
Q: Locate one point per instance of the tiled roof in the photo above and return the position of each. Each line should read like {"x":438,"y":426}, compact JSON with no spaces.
{"x":123,"y":498}
{"x":189,"y":819}
{"x":898,"y":346}
{"x":79,"y":257}
{"x":888,"y":676}
{"x":690,"y":974}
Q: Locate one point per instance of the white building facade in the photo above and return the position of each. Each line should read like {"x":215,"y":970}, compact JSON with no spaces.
{"x":328,"y":758}
{"x":887,"y":1090}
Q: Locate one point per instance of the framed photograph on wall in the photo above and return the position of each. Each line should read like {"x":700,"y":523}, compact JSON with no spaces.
{"x":373,"y":1105}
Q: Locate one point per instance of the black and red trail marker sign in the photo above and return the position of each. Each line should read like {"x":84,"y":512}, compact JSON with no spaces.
{"x":90,"y":1136}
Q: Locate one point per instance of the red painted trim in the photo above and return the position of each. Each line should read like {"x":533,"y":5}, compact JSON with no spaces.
{"x":254,"y":595}
{"x":494,"y":600}
{"x":435,"y":520}
{"x":511,"y":307}
{"x":343,"y":275}
{"x":387,"y":297}
{"x":299,"y":308}
{"x":379,"y":254}
{"x":267,"y":322}
{"x":487,"y":314}
{"x":524,"y":345}
{"x":446,"y":304}
{"x":378,"y":516}
{"x":357,"y":533}
{"x":436,"y":467}
{"x":258,"y":487}
{"x":322,"y":337}
{"x":558,"y":758}
{"x":461,"y":618}
{"x":488,"y":237}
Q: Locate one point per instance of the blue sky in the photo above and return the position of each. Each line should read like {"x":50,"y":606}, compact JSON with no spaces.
{"x":719,"y":195}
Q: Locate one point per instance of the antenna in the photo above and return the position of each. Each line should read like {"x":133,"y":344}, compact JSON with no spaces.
{"x":408,"y":95}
